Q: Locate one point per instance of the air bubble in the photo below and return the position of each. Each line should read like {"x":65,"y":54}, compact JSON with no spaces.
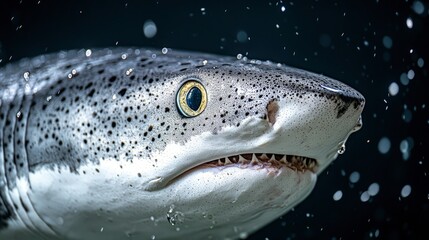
{"x":164,"y":50}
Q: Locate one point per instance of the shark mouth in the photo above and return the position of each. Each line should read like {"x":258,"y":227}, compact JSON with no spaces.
{"x":265,"y":160}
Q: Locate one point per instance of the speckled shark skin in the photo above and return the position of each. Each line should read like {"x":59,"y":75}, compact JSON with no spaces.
{"x":93,"y":146}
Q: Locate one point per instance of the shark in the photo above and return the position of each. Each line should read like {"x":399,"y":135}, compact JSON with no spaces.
{"x":129,"y":143}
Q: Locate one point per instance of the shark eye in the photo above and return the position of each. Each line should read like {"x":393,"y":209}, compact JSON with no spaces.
{"x":191,"y":98}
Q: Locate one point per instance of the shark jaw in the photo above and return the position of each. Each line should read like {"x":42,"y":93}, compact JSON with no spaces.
{"x":189,"y":189}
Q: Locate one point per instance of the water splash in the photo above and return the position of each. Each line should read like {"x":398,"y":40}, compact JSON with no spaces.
{"x":175,"y":217}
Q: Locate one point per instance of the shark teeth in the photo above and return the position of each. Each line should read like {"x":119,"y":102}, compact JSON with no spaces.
{"x":296,"y":163}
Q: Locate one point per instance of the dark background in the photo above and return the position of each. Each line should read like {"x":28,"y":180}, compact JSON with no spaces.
{"x":343,"y":40}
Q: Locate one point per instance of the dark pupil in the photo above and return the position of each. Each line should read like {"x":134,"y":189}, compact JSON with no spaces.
{"x":193,"y":99}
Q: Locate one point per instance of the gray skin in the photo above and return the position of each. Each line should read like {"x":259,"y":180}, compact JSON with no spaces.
{"x":69,"y":110}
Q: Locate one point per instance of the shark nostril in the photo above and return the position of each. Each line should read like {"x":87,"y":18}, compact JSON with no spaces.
{"x":272,"y":109}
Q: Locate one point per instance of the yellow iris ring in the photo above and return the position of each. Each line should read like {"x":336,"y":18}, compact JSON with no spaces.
{"x":183,"y":93}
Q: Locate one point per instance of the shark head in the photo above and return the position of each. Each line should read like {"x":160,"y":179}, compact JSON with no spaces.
{"x":185,"y":145}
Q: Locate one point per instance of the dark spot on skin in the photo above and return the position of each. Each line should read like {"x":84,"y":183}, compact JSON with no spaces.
{"x":90,"y":94}
{"x":122,"y":92}
{"x":342,"y":108}
{"x":112,"y":79}
{"x":88,"y":85}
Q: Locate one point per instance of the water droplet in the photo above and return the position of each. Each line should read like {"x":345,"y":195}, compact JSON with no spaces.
{"x":244,"y":235}
{"x":354,"y":177}
{"x":384,"y":145}
{"x":420,"y":62}
{"x":174,"y":217}
{"x":409,"y":23}
{"x":410,"y":74}
{"x":325,"y":40}
{"x":337,"y":195}
{"x":418,"y":7}
{"x":404,"y":79}
{"x":19,"y":115}
{"x":129,"y":71}
{"x":407,"y":115}
{"x":364,"y":197}
{"x":342,"y":149}
{"x":283,"y":8}
{"x":406,"y":191}
{"x":387,"y":42}
{"x":393,"y":89}
{"x":88,"y":52}
{"x":26,"y":76}
{"x":149,"y":29}
{"x":373,"y":189}
{"x":242,"y":36}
